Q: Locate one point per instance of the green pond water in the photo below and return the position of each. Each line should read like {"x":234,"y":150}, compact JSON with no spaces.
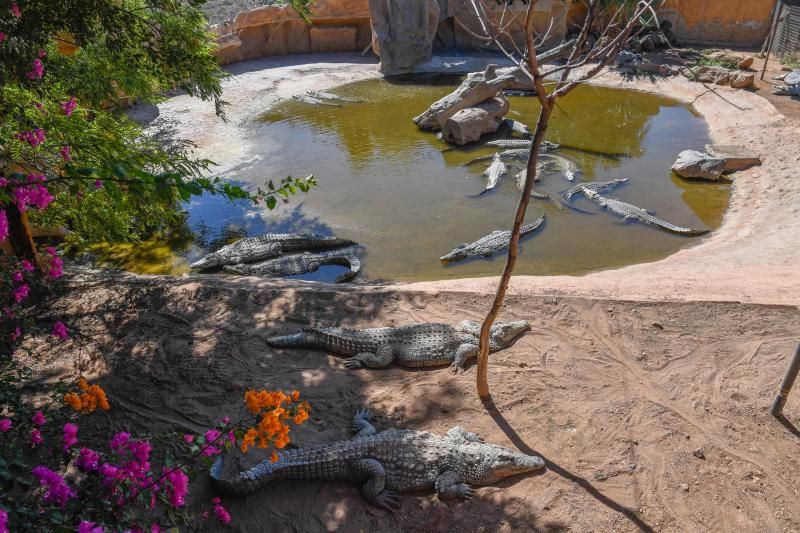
{"x":393,"y":188}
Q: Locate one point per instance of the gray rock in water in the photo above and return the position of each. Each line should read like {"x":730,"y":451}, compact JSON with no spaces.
{"x":694,"y":164}
{"x":468,"y":125}
{"x":736,"y":157}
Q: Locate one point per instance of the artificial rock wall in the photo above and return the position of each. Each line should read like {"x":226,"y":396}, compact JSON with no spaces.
{"x":719,"y":22}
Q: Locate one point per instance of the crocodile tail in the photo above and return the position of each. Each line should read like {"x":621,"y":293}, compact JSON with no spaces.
{"x":295,"y":340}
{"x":238,"y":488}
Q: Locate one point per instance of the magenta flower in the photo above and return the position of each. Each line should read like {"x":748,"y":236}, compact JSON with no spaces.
{"x":20,"y":293}
{"x":188,"y":438}
{"x":60,"y":331}
{"x":3,"y":225}
{"x":5,"y":425}
{"x":17,"y":333}
{"x":120,"y":440}
{"x":88,"y":460}
{"x":231,"y":437}
{"x":66,"y":153}
{"x":42,"y":52}
{"x":58,"y":491}
{"x":70,"y":435}
{"x":38,"y":70}
{"x":89,"y":527}
{"x":3,"y":521}
{"x":15,"y":10}
{"x":39,"y":419}
{"x":34,"y":137}
{"x":211,"y":436}
{"x":3,"y":182}
{"x":17,"y":276}
{"x":140,"y":450}
{"x":2,"y":37}
{"x":69,"y":106}
{"x":226,"y":421}
{"x":179,"y":487}
{"x":220,"y":512}
{"x":26,"y":265}
{"x":98,"y":184}
{"x":109,"y":471}
{"x":56,"y":269}
{"x":36,"y":437}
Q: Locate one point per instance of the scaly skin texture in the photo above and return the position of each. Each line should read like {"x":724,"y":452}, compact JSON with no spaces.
{"x":416,"y":345}
{"x":495,"y":171}
{"x":300,"y":264}
{"x":396,"y":460}
{"x":253,"y":249}
{"x":596,"y":186}
{"x":637,"y":214}
{"x":523,"y":143}
{"x":489,"y":245}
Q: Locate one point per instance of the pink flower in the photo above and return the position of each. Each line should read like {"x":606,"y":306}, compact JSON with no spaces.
{"x":5,"y":425}
{"x":188,"y":438}
{"x":60,"y":331}
{"x":58,"y":491}
{"x":3,"y":182}
{"x":34,"y":137}
{"x":220,"y":512}
{"x":211,"y":436}
{"x":3,"y":521}
{"x":36,"y":437}
{"x":69,"y":106}
{"x":66,"y":153}
{"x":226,"y":421}
{"x":38,"y":70}
{"x":39,"y":419}
{"x":17,"y":276}
{"x":16,"y":334}
{"x":109,"y":471}
{"x":120,"y":440}
{"x":98,"y":184}
{"x":2,"y":37}
{"x":3,"y":225}
{"x":140,"y":450}
{"x":179,"y":487}
{"x":88,"y":460}
{"x":70,"y":435}
{"x":42,"y":52}
{"x":20,"y":293}
{"x":15,"y":10}
{"x":89,"y":527}
{"x":231,"y":437}
{"x":26,"y":265}
{"x":56,"y":269}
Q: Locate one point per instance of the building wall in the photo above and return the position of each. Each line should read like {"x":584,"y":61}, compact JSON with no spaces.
{"x":719,"y":22}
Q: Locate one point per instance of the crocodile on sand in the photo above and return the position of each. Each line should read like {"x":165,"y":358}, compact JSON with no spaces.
{"x":253,"y":249}
{"x":637,"y":214}
{"x":388,"y":462}
{"x":489,"y":245}
{"x":415,"y":345}
{"x":289,"y":265}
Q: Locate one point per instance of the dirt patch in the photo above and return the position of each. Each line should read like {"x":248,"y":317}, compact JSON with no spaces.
{"x":619,"y":397}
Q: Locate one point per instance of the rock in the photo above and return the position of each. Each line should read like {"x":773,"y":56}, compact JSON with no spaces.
{"x":718,"y":75}
{"x":647,"y":43}
{"x":403,"y":32}
{"x":699,"y":453}
{"x":521,"y":81}
{"x":786,"y":69}
{"x":469,"y":124}
{"x":328,"y":39}
{"x":694,"y":164}
{"x":742,"y":80}
{"x":736,"y":157}
{"x":685,"y":487}
{"x":747,"y":62}
{"x":625,"y":57}
{"x":478,"y":87}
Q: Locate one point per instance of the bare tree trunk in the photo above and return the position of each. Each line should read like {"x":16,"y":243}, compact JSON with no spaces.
{"x":20,"y":233}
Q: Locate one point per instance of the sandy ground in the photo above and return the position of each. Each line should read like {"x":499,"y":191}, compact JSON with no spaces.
{"x":616,"y":396}
{"x":752,"y":258}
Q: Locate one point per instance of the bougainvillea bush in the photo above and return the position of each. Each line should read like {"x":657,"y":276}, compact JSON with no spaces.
{"x":70,"y":157}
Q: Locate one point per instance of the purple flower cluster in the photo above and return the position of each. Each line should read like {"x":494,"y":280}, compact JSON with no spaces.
{"x":34,"y":137}
{"x":58,"y":491}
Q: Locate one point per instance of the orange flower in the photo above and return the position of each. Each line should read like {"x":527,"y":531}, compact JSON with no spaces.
{"x":92,"y":397}
{"x":274,"y":457}
{"x":249,"y":439}
{"x":73,"y":401}
{"x":300,"y":417}
{"x":295,"y":395}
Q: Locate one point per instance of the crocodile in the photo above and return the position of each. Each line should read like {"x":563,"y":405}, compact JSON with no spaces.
{"x":267,"y":246}
{"x":546,"y":146}
{"x":488,"y":245}
{"x":289,"y":265}
{"x":319,"y":95}
{"x":515,"y":126}
{"x":568,"y":168}
{"x":495,"y":171}
{"x":541,"y":168}
{"x":637,"y":214}
{"x":596,"y":186}
{"x":415,"y":345}
{"x":307,"y":99}
{"x":517,"y":153}
{"x":388,"y":462}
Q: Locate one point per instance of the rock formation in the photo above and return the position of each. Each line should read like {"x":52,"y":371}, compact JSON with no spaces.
{"x":716,"y":160}
{"x":469,"y":124}
{"x":403,"y":32}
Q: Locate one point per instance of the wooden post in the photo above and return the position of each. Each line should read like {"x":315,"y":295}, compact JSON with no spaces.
{"x":788,"y":380}
{"x":20,"y":233}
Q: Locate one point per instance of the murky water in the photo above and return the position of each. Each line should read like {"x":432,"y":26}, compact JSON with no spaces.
{"x":393,"y":188}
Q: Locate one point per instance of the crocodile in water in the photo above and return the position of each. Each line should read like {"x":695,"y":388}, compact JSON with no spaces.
{"x":596,"y":186}
{"x":253,"y":249}
{"x":415,"y":345}
{"x":489,"y":245}
{"x":388,"y":462}
{"x":495,"y":171}
{"x":289,"y":265}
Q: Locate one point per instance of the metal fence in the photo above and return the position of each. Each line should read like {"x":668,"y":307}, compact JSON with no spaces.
{"x":787,"y":33}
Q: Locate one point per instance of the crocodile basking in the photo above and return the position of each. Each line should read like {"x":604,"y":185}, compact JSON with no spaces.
{"x":546,"y":146}
{"x":495,"y":171}
{"x":289,"y":265}
{"x":415,"y":345}
{"x":489,"y":245}
{"x":388,"y":462}
{"x":637,"y":214}
{"x":596,"y":186}
{"x":253,"y":249}
{"x":515,"y":126}
{"x":568,"y":168}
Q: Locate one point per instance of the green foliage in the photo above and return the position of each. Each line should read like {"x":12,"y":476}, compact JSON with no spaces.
{"x":791,"y":60}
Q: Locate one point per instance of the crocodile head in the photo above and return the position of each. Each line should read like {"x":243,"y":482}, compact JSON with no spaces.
{"x":459,"y":253}
{"x":213,"y":260}
{"x":496,"y":462}
{"x":503,"y":333}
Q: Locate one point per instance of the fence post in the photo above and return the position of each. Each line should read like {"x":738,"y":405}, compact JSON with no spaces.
{"x":786,"y":385}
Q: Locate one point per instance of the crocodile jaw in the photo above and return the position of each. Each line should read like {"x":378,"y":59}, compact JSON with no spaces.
{"x":456,"y":255}
{"x":505,"y":332}
{"x":209,"y":261}
{"x":501,"y":463}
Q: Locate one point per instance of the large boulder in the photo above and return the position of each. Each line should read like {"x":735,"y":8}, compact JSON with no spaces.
{"x":718,"y":75}
{"x":736,"y":157}
{"x":742,"y":80}
{"x":476,"y":88}
{"x":468,"y":125}
{"x":694,"y":164}
{"x":403,"y":32}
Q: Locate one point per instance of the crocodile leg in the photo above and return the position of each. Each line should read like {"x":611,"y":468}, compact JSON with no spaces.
{"x":457,"y":432}
{"x":372,"y":472}
{"x":449,"y":487}
{"x":382,"y":358}
{"x":361,"y":424}
{"x":464,"y":352}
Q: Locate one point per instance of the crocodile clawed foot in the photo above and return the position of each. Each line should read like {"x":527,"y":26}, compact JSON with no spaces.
{"x":388,"y":500}
{"x":366,"y":414}
{"x":455,"y":369}
{"x":467,"y":493}
{"x":352,"y":364}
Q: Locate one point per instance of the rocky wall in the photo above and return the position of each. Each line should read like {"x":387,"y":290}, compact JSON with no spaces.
{"x":719,"y":22}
